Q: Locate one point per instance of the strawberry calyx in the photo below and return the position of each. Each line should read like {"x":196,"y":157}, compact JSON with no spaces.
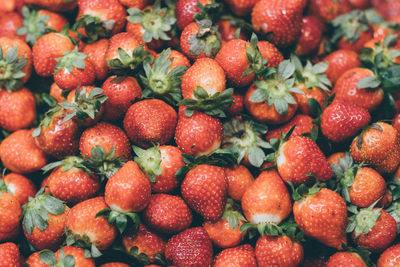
{"x":277,"y":87}
{"x":122,"y":220}
{"x":3,"y":186}
{"x":144,"y":258}
{"x":232,"y":214}
{"x":36,"y":211}
{"x":303,"y":191}
{"x":102,"y":163}
{"x":245,"y":136}
{"x":34,"y":25}
{"x":149,"y":161}
{"x":211,"y":11}
{"x":71,"y":59}
{"x":48,"y":257}
{"x":154,"y":20}
{"x":161,"y":82}
{"x":94,"y":27}
{"x":46,"y":121}
{"x":363,"y":220}
{"x":257,"y":62}
{"x":67,"y":164}
{"x":394,"y":210}
{"x":213,"y":105}
{"x":207,"y":39}
{"x":349,"y":26}
{"x":11,"y":69}
{"x":125,"y":62}
{"x":83,"y":241}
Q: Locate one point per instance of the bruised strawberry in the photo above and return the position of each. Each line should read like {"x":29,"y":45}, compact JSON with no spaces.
{"x":340,"y":61}
{"x":10,"y":216}
{"x":19,"y":186}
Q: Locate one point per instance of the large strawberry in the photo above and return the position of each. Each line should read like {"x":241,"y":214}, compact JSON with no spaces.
{"x":339,"y":61}
{"x":18,"y":185}
{"x":10,"y":216}
{"x":9,"y":255}
{"x":301,"y":124}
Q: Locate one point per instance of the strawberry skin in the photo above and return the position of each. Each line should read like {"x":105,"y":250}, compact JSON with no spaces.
{"x":345,"y":259}
{"x":340,"y":61}
{"x":390,"y":257}
{"x":270,"y":52}
{"x":342,"y":120}
{"x":20,"y":186}
{"x":328,"y":10}
{"x":185,"y":11}
{"x":222,"y":234}
{"x":323,"y":216}
{"x":9,"y":255}
{"x":96,"y":54}
{"x":114,"y":264}
{"x":239,"y":179}
{"x":10,"y":215}
{"x":302,"y":124}
{"x":237,"y":256}
{"x":311,"y":34}
{"x":204,"y":189}
{"x":78,"y":254}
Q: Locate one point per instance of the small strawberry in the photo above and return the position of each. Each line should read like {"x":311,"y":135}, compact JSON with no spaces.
{"x":339,"y":62}
{"x":96,"y":53}
{"x":53,"y":5}
{"x":328,"y":10}
{"x":187,"y":10}
{"x":57,"y":93}
{"x":303,"y":124}
{"x":191,"y":247}
{"x":345,"y":259}
{"x":241,"y":255}
{"x":390,"y":257}
{"x":9,"y":255}
{"x":311,"y":35}
{"x":10,"y":216}
{"x":239,"y":179}
{"x":19,"y":186}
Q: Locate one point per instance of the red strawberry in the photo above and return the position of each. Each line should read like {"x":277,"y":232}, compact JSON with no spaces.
{"x":9,"y":255}
{"x":311,"y":35}
{"x":150,"y":121}
{"x":18,"y":185}
{"x":335,"y":157}
{"x":345,"y":259}
{"x":302,"y":124}
{"x":227,"y":31}
{"x":237,"y":106}
{"x":114,"y":264}
{"x":239,"y":179}
{"x":390,"y":257}
{"x":267,"y":200}
{"x":278,"y":251}
{"x":96,"y":53}
{"x":19,"y":153}
{"x":240,"y":7}
{"x":191,"y":247}
{"x":56,"y":92}
{"x":204,"y":189}
{"x":340,"y":61}
{"x":185,"y":11}
{"x":342,"y":120}
{"x":34,"y":260}
{"x":53,"y":5}
{"x":17,"y":109}
{"x":271,"y":53}
{"x":300,"y":157}
{"x":9,"y":23}
{"x":134,"y":3}
{"x":328,"y":10}
{"x":322,"y":216}
{"x":240,"y":255}
{"x":81,"y":260}
{"x":121,"y":93}
{"x":10,"y":216}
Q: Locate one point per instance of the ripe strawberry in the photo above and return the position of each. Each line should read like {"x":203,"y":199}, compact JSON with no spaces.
{"x":17,"y":109}
{"x":160,"y":164}
{"x":34,"y":260}
{"x":311,"y":35}
{"x":10,"y":216}
{"x":204,"y":189}
{"x":396,"y":122}
{"x":378,"y":145}
{"x":55,"y":136}
{"x":271,"y":53}
{"x":322,"y":216}
{"x":227,"y":31}
{"x":71,"y":181}
{"x":53,"y":5}
{"x":373,"y":229}
{"x":339,"y":62}
{"x":278,"y":251}
{"x":96,"y":53}
{"x":82,"y":224}
{"x":348,"y":88}
{"x":186,"y":10}
{"x":303,"y":124}
{"x":267,"y":200}
{"x":241,"y":255}
{"x":390,"y":257}
{"x":239,"y":179}
{"x":44,"y":220}
{"x":114,"y":264}
{"x":150,"y":121}
{"x":268,"y":16}
{"x":19,"y":153}
{"x":237,"y":106}
{"x":328,"y":10}
{"x":177,"y":59}
{"x":342,"y":120}
{"x":46,"y":49}
{"x":9,"y":23}
{"x":81,"y":260}
{"x":19,"y":186}
{"x":56,"y":92}
{"x":9,"y":255}
{"x":345,"y":259}
{"x":335,"y":157}
{"x":134,"y":3}
{"x":192,"y":247}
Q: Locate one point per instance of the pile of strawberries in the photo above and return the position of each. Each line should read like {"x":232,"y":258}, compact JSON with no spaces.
{"x":192,"y":133}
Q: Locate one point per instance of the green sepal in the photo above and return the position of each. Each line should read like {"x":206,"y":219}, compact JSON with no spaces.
{"x":104,"y":164}
{"x":126,"y":64}
{"x":71,"y":59}
{"x":349,"y":26}
{"x":207,"y":39}
{"x":48,"y":257}
{"x":211,"y":11}
{"x":149,"y":161}
{"x":303,"y":191}
{"x":232,"y":214}
{"x":95,"y":28}
{"x":11,"y":69}
{"x":67,"y":164}
{"x":121,"y":220}
{"x":257,"y":62}
{"x":45,"y":122}
{"x":90,"y":250}
{"x":363,"y":220}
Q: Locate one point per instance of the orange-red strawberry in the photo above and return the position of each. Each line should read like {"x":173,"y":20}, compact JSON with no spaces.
{"x":9,"y":255}
{"x":97,"y":55}
{"x":114,"y":264}
{"x":390,"y":257}
{"x":17,"y":109}
{"x":186,"y":10}
{"x":311,"y":35}
{"x":56,"y":92}
{"x":271,"y":53}
{"x":55,"y":136}
{"x":19,"y":186}
{"x":44,"y":220}
{"x":335,"y":157}
{"x":302,"y":125}
{"x":79,"y":255}
{"x":167,"y":214}
{"x":204,"y":189}
{"x":54,"y":5}
{"x":134,"y":3}
{"x":241,"y":256}
{"x":322,"y":216}
{"x":340,"y":61}
{"x":34,"y":260}
{"x":227,"y":31}
{"x":9,"y":23}
{"x":239,"y":179}
{"x":240,"y":7}
{"x":278,"y":251}
{"x":150,"y":121}
{"x":396,"y":122}
{"x":378,"y":145}
{"x":10,"y":216}
{"x":328,"y":10}
{"x":19,"y":153}
{"x":343,"y":120}
{"x":345,"y":259}
{"x":267,"y":200}
{"x":191,"y":247}
{"x":63,"y":256}
{"x":82,"y":224}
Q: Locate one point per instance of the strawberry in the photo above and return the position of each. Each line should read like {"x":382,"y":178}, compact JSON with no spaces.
{"x":149,"y":121}
{"x":204,"y":189}
{"x":96,"y":53}
{"x":311,"y":35}
{"x":328,"y":10}
{"x":8,"y":6}
{"x":267,"y":200}
{"x":56,"y":92}
{"x":237,"y":106}
{"x":186,"y":11}
{"x":16,"y":63}
{"x":55,"y":136}
{"x":134,"y":3}
{"x":114,"y":264}
{"x":177,"y":58}
{"x":241,"y":255}
{"x":18,"y":185}
{"x":271,"y":53}
{"x":322,"y":216}
{"x":17,"y":109}
{"x":9,"y":23}
{"x":348,"y":88}
{"x":241,"y":8}
{"x":343,"y":120}
{"x":300,"y":159}
{"x":34,"y":260}
{"x":10,"y":216}
{"x":9,"y":255}
{"x":303,"y":124}
{"x":81,"y":259}
{"x":64,"y":256}
{"x":167,"y":214}
{"x":345,"y":259}
{"x":268,"y":16}
{"x":239,"y":179}
{"x":396,"y":122}
{"x":46,"y":49}
{"x":278,"y":251}
{"x":43,"y":221}
{"x":19,"y":153}
{"x":227,"y":31}
{"x":191,"y":247}
{"x":339,"y":62}
{"x":82,"y":224}
{"x":378,"y":145}
{"x":53,"y":5}
{"x":372,"y":228}
{"x":71,"y":181}
{"x":390,"y":257}
{"x":160,"y":164}
{"x":335,"y":157}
